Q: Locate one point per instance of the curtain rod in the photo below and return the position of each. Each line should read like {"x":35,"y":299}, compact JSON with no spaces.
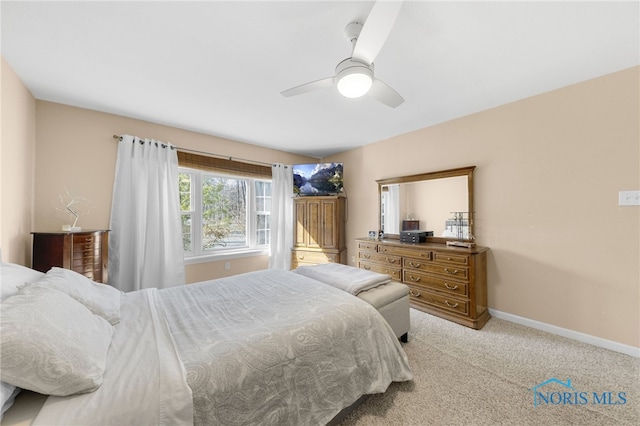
{"x":210,"y":154}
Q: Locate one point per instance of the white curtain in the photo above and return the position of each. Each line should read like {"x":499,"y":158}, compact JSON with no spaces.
{"x":392,"y":216}
{"x":145,"y":243}
{"x":281,"y":216}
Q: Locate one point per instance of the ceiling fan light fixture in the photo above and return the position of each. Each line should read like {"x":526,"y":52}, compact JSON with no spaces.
{"x":353,"y":79}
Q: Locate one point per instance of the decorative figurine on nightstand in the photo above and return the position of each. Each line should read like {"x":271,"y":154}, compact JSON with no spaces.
{"x":71,"y":205}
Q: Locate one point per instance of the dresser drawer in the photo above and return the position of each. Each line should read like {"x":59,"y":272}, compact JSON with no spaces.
{"x":394,"y":272}
{"x":405,"y":251}
{"x":415,"y":264}
{"x":385,"y":259}
{"x":431,"y":299}
{"x":429,"y":282}
{"x":367,"y":246}
{"x":456,"y":259}
{"x":450,"y":271}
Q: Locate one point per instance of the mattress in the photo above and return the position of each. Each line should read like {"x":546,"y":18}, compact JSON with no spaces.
{"x":267,"y":347}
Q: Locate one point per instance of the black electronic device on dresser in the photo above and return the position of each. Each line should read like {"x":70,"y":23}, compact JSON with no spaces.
{"x":415,"y":236}
{"x":85,"y":252}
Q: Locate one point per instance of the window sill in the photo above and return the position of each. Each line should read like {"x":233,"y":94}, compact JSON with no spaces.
{"x":217,"y":257}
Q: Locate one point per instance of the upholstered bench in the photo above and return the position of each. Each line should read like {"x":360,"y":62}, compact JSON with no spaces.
{"x":390,"y":298}
{"x":392,"y":301}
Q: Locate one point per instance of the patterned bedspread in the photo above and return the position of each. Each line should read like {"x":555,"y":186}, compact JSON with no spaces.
{"x":274,"y":347}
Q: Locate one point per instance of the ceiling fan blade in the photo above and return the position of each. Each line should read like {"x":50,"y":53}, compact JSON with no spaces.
{"x":376,"y":30}
{"x":308,"y":87}
{"x":385,"y":94}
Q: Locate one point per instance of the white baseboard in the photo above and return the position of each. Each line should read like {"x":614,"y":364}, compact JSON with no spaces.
{"x":564,"y":332}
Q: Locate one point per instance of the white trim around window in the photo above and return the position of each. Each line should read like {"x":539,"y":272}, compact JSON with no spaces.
{"x":195,"y":212}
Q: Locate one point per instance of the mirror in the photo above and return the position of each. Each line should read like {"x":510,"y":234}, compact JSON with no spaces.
{"x":428,"y":202}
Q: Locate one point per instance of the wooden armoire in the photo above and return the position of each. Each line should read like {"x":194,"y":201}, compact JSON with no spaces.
{"x":319,"y":231}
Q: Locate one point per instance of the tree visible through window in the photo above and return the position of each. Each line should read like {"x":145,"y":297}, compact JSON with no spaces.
{"x":222,"y":213}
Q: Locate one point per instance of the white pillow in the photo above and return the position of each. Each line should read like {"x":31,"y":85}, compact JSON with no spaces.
{"x":51,"y":343}
{"x":13,"y":275}
{"x":101,"y":299}
{"x":7,"y":396}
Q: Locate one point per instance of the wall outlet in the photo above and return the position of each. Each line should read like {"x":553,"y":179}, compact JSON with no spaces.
{"x":227,"y":265}
{"x":629,"y":198}
{"x":353,"y":260}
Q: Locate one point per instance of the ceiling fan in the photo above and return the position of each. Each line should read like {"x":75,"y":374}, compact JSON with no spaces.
{"x":355,"y":75}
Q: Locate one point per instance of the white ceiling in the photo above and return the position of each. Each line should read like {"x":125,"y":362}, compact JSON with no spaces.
{"x":218,"y":67}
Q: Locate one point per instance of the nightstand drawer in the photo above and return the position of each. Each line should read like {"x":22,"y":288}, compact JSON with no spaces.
{"x":86,"y":238}
{"x":89,"y":253}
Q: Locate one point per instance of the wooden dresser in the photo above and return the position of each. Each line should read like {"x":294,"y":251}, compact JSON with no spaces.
{"x":85,"y":252}
{"x":319,"y":231}
{"x":449,"y":282}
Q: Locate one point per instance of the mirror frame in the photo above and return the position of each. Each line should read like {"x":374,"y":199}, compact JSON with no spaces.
{"x":461,"y":171}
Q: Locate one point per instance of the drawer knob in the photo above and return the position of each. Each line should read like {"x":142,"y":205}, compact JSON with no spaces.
{"x":455,"y":287}
{"x":301,"y":256}
{"x":367,"y":267}
{"x":414,"y":265}
{"x":414,"y":279}
{"x":450,"y":272}
{"x":414,"y":293}
{"x":390,"y":260}
{"x":451,"y":305}
{"x":366,"y":256}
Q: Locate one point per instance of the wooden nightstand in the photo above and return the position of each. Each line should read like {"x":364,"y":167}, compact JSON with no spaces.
{"x":85,"y":252}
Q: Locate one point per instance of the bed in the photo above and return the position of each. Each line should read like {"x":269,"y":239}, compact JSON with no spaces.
{"x":267,"y":347}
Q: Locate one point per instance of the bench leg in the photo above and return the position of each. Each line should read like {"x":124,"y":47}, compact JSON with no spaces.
{"x":404,"y":338}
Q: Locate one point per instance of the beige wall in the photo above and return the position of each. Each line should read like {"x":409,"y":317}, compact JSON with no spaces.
{"x":76,"y":152}
{"x":549,"y":169}
{"x":17,"y":151}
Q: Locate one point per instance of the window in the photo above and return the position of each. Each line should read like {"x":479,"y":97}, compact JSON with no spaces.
{"x":223,"y":213}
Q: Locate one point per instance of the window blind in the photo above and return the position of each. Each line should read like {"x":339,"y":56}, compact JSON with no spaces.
{"x":222,"y":165}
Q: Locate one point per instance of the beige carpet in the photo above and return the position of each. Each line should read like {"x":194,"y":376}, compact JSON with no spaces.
{"x":469,"y":377}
